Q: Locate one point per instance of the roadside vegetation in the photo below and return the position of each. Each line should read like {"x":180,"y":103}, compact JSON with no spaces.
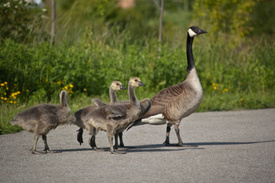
{"x":98,"y":42}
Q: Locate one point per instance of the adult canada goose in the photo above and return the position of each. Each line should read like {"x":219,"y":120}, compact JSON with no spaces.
{"x":43,"y":118}
{"x":114,"y":118}
{"x":174,"y":103}
{"x":79,"y":116}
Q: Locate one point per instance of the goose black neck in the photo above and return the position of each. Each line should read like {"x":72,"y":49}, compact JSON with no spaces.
{"x":113,"y":96}
{"x":189,"y":51}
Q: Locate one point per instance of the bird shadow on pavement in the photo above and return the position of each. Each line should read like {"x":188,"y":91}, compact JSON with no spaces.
{"x":159,"y":148}
{"x":163,"y":148}
{"x":229,"y":143}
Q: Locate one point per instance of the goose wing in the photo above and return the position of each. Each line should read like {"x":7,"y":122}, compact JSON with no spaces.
{"x":116,"y":111}
{"x":145,"y":105}
{"x":98,"y":102}
{"x":179,"y":103}
{"x":163,"y":98}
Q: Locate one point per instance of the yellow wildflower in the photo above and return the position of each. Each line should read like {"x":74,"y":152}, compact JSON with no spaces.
{"x":71,"y":86}
{"x":66,"y":87}
{"x":5,"y":82}
{"x":2,"y":84}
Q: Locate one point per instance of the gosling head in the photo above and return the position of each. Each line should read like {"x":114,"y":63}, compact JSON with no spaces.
{"x":195,"y":30}
{"x":135,"y":82}
{"x":117,"y":85}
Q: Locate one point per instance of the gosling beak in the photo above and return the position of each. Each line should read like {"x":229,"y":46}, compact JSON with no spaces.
{"x":141,"y":84}
{"x":122,"y":87}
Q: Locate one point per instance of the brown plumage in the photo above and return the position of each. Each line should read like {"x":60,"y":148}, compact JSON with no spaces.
{"x":144,"y":109}
{"x":43,"y":118}
{"x":174,"y":103}
{"x":114,"y":118}
{"x":79,"y":116}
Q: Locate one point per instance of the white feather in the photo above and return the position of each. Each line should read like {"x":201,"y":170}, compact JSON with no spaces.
{"x":155,"y":120}
{"x":191,"y":33}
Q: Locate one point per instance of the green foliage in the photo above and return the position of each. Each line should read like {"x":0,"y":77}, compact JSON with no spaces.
{"x":20,"y":20}
{"x":227,"y":16}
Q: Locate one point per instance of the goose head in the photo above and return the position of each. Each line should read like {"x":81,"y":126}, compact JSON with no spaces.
{"x":195,"y":30}
{"x":135,"y":82}
{"x":117,"y":85}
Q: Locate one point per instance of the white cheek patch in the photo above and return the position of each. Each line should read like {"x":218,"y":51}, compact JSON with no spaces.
{"x":191,"y":33}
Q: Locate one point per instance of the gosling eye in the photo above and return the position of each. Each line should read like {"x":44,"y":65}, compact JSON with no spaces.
{"x":136,"y":80}
{"x":117,"y":84}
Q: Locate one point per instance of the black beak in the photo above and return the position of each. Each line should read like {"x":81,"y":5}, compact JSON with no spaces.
{"x":122,"y":87}
{"x":202,"y":31}
{"x":141,"y":84}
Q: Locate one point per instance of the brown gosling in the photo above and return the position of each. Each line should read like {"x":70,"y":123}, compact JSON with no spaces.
{"x":115,"y":118}
{"x":79,"y":116}
{"x":43,"y":118}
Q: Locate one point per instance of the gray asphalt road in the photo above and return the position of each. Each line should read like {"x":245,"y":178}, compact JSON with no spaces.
{"x":232,"y":147}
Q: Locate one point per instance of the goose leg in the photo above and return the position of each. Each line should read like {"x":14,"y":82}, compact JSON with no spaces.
{"x":110,"y":134}
{"x":47,"y":149}
{"x":180,"y":143}
{"x":33,"y":149}
{"x":110,"y":138}
{"x":121,"y":139}
{"x":92,"y":133}
{"x":92,"y":139}
{"x":116,"y":141}
{"x":168,"y":129}
{"x":177,"y":130}
{"x":80,"y":136}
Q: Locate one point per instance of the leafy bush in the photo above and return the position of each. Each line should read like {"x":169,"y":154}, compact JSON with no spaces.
{"x":20,"y":21}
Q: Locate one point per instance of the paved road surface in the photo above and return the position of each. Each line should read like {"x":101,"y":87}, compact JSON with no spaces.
{"x":232,"y":147}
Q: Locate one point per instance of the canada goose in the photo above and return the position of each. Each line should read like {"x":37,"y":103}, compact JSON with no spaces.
{"x":43,"y":118}
{"x":174,"y":103}
{"x":79,"y":116}
{"x":114,"y":118}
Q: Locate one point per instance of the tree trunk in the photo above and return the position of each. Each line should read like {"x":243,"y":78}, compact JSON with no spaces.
{"x":160,"y":24}
{"x":53,"y":23}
